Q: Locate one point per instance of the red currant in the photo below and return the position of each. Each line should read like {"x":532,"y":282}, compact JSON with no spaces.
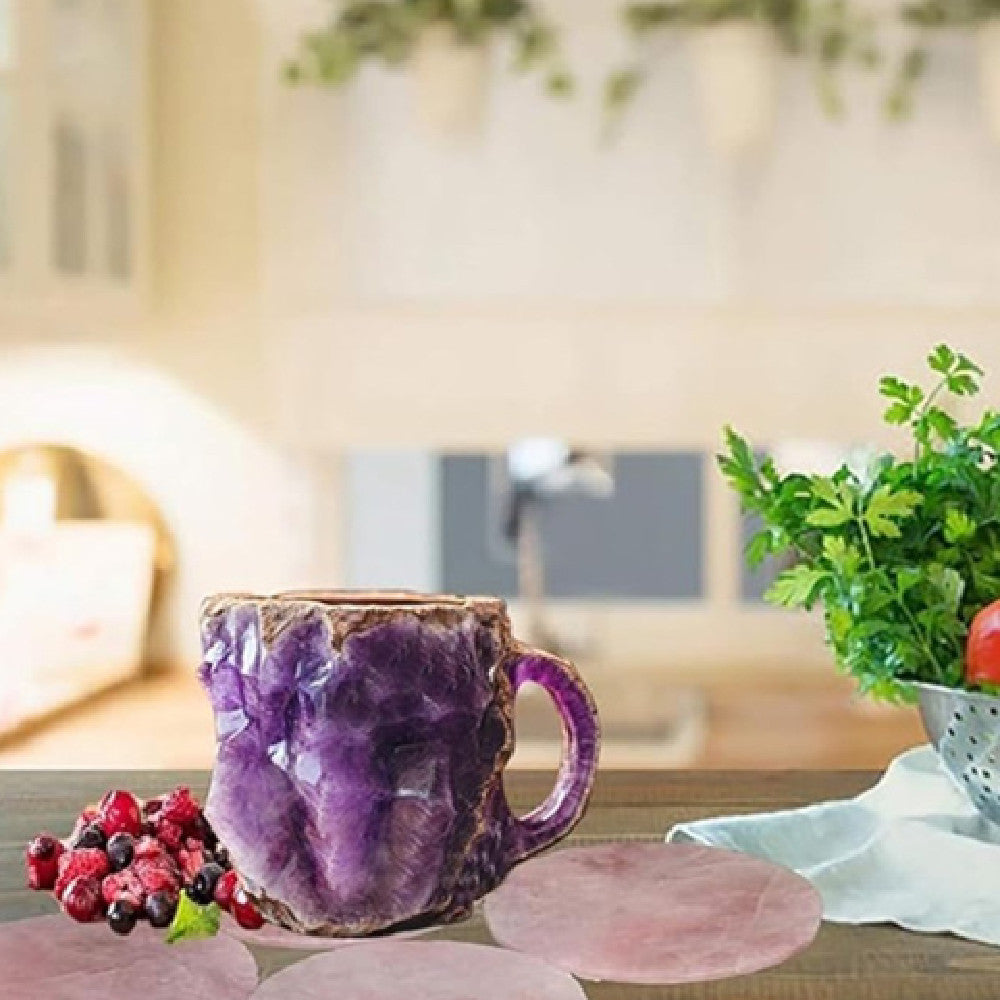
{"x":42,"y":861}
{"x":246,"y":913}
{"x":120,"y":812}
{"x":225,"y":888}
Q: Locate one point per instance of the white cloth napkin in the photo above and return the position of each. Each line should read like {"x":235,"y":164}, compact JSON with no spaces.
{"x":911,"y":851}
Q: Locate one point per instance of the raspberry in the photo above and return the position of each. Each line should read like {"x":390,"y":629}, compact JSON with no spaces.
{"x":141,"y":879}
{"x":191,"y":863}
{"x":84,"y":861}
{"x":120,"y":812}
{"x":225,"y":888}
{"x":42,"y":861}
{"x":170,"y":834}
{"x":156,"y":875}
{"x":122,"y":885}
{"x":149,"y":847}
{"x":82,"y":899}
{"x":180,"y":807}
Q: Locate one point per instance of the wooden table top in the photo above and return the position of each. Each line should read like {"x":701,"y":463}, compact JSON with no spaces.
{"x":844,"y":963}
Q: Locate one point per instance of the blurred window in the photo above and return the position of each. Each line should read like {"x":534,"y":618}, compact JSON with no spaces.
{"x":70,"y":197}
{"x":438,"y":522}
{"x":115,"y":171}
{"x":6,"y":36}
{"x":91,"y":61}
{"x":646,"y":542}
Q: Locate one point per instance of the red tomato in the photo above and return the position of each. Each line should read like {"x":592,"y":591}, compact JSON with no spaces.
{"x":982,"y":652}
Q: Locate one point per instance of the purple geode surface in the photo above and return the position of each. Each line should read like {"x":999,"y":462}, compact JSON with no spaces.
{"x":355,"y":785}
{"x":360,"y":750}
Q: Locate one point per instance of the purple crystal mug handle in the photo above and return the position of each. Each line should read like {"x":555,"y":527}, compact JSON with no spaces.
{"x":559,"y":813}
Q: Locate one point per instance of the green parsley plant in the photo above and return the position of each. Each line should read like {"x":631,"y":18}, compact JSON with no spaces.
{"x":902,"y":555}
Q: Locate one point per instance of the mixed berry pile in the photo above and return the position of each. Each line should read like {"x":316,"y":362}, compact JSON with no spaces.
{"x":129,"y":860}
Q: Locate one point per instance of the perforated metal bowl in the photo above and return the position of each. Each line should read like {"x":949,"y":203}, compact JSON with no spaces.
{"x":964,"y":727}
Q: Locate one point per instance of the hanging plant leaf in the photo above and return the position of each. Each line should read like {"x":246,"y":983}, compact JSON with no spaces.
{"x":387,"y":31}
{"x":832,"y":34}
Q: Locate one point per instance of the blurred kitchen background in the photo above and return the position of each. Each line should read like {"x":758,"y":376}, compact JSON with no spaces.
{"x":256,"y":336}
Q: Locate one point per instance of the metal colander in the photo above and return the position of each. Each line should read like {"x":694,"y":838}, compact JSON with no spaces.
{"x":964,"y":727}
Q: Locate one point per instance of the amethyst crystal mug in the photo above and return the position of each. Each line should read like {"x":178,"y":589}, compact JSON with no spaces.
{"x":361,"y":741}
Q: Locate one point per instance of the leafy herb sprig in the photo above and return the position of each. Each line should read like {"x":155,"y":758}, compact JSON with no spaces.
{"x":902,"y":554}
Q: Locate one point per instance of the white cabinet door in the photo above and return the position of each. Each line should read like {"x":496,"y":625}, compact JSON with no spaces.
{"x":73,"y":159}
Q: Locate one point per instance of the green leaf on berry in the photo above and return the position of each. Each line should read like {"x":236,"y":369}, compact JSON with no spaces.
{"x":193,"y":921}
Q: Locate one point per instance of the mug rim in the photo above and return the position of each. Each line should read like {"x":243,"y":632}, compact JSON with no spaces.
{"x":361,"y":598}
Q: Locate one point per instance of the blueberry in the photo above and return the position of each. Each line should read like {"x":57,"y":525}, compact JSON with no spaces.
{"x":122,"y":916}
{"x":161,"y":907}
{"x":92,"y":836}
{"x":121,"y":851}
{"x":202,"y":888}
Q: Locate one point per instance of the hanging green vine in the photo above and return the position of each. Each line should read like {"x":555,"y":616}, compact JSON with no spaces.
{"x":387,"y":31}
{"x":950,"y":13}
{"x":927,"y":15}
{"x":830,"y":33}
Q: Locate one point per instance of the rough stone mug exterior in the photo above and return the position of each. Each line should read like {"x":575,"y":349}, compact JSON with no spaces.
{"x":361,"y":741}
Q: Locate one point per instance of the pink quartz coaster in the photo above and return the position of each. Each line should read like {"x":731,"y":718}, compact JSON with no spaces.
{"x":419,"y":970}
{"x":654,"y":913}
{"x":54,"y":958}
{"x":272,"y":936}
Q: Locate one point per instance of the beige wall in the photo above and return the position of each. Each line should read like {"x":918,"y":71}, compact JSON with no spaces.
{"x":279,"y":216}
{"x":205,"y":158}
{"x":429,"y":294}
{"x":299,"y":227}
